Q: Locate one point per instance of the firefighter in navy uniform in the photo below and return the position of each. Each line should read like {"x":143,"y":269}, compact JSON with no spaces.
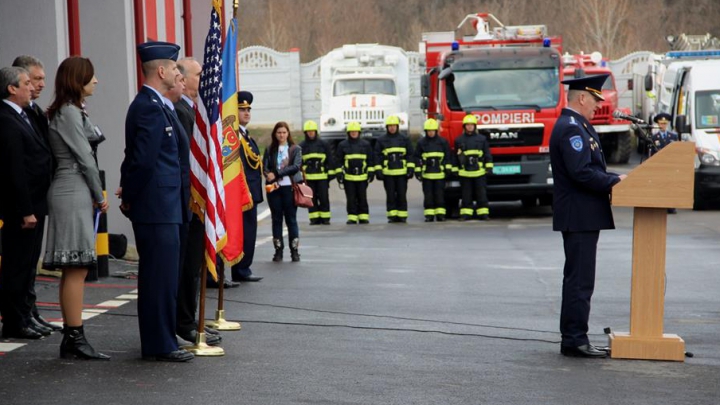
{"x":581,"y":207}
{"x":663,"y":137}
{"x":395,"y":166}
{"x":433,"y":157}
{"x":474,"y":161}
{"x":319,"y":167}
{"x":357,"y":169}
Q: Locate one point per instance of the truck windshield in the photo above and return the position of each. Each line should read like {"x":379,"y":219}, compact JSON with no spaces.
{"x":497,"y":89}
{"x":707,"y":109}
{"x":364,"y":86}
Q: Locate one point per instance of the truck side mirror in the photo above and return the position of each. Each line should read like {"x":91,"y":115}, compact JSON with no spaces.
{"x":648,"y":83}
{"x":424,"y":104}
{"x":681,"y":125}
{"x":630,"y":84}
{"x":424,"y":86}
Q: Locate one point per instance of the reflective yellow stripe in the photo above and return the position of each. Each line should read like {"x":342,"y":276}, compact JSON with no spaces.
{"x":434,"y":176}
{"x":473,"y":152}
{"x":309,"y":156}
{"x":325,"y":214}
{"x":483,"y":211}
{"x":394,"y":150}
{"x":440,"y":211}
{"x":392,"y":213}
{"x":365,"y":217}
{"x":429,"y":211}
{"x":395,"y":172}
{"x":466,"y":211}
{"x":474,"y":173}
{"x":433,"y":154}
{"x":448,"y":166}
{"x":352,"y":217}
{"x":360,"y":156}
{"x":489,"y":165}
{"x":411,"y":164}
{"x":356,"y":177}
{"x":402,"y":214}
{"x":316,"y":176}
{"x":313,"y":215}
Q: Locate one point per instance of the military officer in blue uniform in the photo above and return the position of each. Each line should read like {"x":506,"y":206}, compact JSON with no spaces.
{"x":252,"y":165}
{"x":663,"y":137}
{"x":581,"y":207}
{"x":154,"y":198}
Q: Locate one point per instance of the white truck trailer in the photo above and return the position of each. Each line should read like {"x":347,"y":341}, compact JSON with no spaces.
{"x":364,"y":83}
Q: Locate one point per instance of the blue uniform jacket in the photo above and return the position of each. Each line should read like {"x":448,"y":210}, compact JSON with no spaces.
{"x":254,"y":177}
{"x":581,"y":184}
{"x":151,"y":174}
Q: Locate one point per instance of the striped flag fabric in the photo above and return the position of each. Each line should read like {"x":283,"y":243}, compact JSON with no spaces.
{"x":237,"y":192}
{"x":206,"y":180}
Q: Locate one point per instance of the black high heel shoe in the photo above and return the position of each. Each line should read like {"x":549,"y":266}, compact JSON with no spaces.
{"x":75,"y":345}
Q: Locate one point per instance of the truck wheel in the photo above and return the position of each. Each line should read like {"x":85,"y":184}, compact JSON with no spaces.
{"x":546,"y":200}
{"x":623,"y":148}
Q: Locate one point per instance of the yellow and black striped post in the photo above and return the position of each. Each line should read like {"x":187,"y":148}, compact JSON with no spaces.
{"x":102,"y":243}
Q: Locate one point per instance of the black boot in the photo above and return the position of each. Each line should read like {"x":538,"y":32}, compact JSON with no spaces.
{"x":294,"y":245}
{"x":325,"y":221}
{"x":74,"y":345}
{"x":278,"y":243}
{"x":315,"y":221}
{"x":429,"y":218}
{"x":440,"y":218}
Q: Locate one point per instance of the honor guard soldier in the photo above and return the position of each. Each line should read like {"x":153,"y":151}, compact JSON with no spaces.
{"x":474,"y":161}
{"x":154,"y":199}
{"x":581,"y":207}
{"x":433,"y":157}
{"x":319,"y":168}
{"x":395,"y":166}
{"x":663,"y":137}
{"x":358,"y":169}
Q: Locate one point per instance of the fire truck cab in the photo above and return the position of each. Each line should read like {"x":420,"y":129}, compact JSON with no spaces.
{"x":509,"y":78}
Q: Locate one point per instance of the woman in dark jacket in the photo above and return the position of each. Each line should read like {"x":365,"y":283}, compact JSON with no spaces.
{"x":281,"y":164}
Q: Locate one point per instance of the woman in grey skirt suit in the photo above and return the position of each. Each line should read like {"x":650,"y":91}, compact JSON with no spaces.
{"x":76,"y":189}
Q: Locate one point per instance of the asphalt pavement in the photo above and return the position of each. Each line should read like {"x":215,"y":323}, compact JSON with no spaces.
{"x":436,"y":313}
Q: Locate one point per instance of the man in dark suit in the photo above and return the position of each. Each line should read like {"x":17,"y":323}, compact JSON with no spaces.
{"x":252,"y":165}
{"x":581,"y":208}
{"x":26,"y":167}
{"x":37,"y":115}
{"x":154,"y":198}
{"x":192,"y":233}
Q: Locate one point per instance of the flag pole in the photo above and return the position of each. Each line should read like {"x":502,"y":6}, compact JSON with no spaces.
{"x":220,"y":323}
{"x":201,"y":348}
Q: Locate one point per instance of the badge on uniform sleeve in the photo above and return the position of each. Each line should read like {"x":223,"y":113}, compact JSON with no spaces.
{"x":576,"y":142}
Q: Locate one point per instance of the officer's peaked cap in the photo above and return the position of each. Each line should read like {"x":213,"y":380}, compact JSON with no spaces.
{"x":245,"y":99}
{"x":154,"y":50}
{"x":592,"y":84}
{"x":662,"y":117}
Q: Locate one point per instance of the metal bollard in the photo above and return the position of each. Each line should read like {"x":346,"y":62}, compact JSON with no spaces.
{"x":102,"y":243}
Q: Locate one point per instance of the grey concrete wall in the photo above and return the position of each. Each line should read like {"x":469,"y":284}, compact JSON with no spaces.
{"x":107,"y":38}
{"x":37,"y":28}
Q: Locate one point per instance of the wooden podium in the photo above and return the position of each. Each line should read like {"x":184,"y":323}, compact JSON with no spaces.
{"x":666,"y":180}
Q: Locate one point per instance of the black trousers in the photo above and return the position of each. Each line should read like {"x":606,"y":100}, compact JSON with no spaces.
{"x":158,"y":246}
{"x":37,"y":251}
{"x":357,"y":205}
{"x":473,"y":190}
{"x":578,"y":286}
{"x":192,"y":249}
{"x":434,"y":196}
{"x":17,"y":274}
{"x":242,"y":269}
{"x":321,"y":199}
{"x":282,"y":206}
{"x":396,"y":195}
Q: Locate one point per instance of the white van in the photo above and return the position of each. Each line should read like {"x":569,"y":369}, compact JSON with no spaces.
{"x":690,"y":93}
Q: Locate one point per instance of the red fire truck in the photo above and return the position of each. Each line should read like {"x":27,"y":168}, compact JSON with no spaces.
{"x":509,"y":78}
{"x":615,"y":135}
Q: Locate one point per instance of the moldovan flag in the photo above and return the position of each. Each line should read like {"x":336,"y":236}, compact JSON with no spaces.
{"x":237,"y":193}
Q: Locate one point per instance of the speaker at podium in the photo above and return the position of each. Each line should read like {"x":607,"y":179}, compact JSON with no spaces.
{"x":665,"y":180}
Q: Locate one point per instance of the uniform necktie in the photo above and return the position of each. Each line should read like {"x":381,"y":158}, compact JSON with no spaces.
{"x":24,"y":116}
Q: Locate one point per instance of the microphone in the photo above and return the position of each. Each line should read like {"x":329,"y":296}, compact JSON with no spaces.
{"x":635,"y":120}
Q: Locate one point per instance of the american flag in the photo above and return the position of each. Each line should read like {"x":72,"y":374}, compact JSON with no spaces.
{"x":205,"y":157}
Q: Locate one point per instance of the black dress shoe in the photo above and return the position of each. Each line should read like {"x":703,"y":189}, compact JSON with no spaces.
{"x":42,"y":321}
{"x":247,"y":278}
{"x":210,"y":340}
{"x":588,"y":351}
{"x":211,"y":331}
{"x":21,"y":333}
{"x":35,"y":325}
{"x":178,"y":356}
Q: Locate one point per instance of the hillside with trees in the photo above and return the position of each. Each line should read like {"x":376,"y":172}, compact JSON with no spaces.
{"x":613,"y":27}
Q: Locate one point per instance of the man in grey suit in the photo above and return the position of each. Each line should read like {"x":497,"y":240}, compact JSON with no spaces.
{"x":192,"y":234}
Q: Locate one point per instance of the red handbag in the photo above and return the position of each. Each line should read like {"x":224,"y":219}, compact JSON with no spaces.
{"x":302,"y":193}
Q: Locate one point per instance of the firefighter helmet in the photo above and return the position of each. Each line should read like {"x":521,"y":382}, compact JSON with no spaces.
{"x":431,"y":125}
{"x":392,"y":120}
{"x":354,"y":126}
{"x":310,"y":125}
{"x":470,"y":119}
